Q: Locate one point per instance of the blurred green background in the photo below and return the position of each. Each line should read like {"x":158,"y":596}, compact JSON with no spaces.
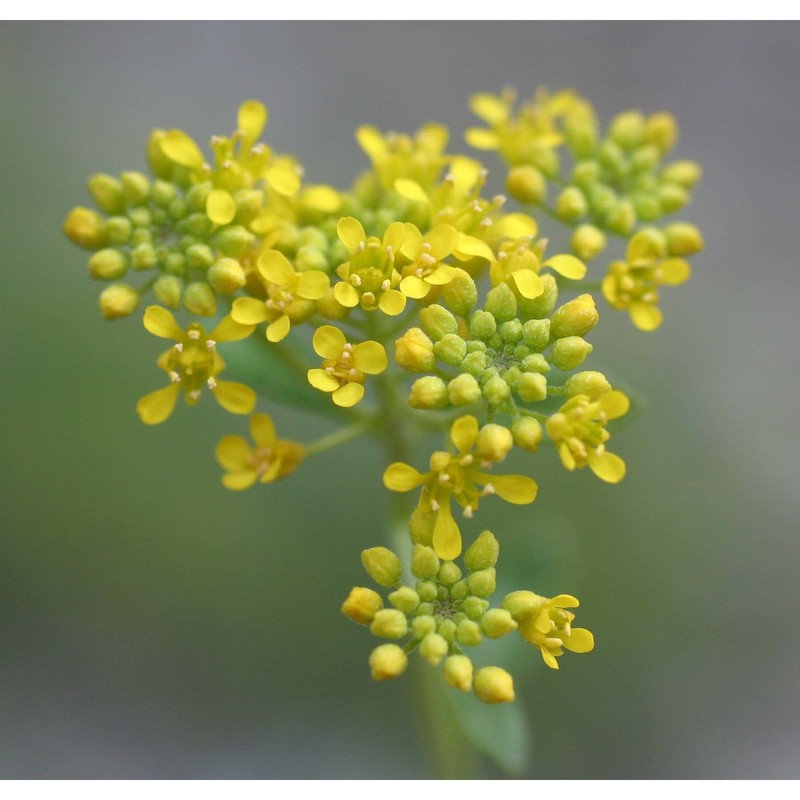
{"x":155,"y":625}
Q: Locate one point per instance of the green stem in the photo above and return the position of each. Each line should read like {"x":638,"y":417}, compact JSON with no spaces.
{"x":338,"y":437}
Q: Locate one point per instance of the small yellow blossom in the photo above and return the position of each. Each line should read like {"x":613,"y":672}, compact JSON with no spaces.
{"x":291,"y":296}
{"x":457,"y":475}
{"x":345,"y":365}
{"x":427,"y":253}
{"x":579,"y":432}
{"x":267,"y":460}
{"x":193,"y":364}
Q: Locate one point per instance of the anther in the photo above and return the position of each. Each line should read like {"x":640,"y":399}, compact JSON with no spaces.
{"x":355,"y":280}
{"x":467,"y":459}
{"x":443,"y":477}
{"x":467,"y":512}
{"x":227,"y":165}
{"x":386,"y":285}
{"x":195,"y":395}
{"x":178,"y":348}
{"x":488,"y":489}
{"x":211,"y":383}
{"x":211,"y":344}
{"x":174,"y":377}
{"x":435,"y":505}
{"x":195,"y":335}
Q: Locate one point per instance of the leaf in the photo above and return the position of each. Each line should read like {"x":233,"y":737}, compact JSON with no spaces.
{"x":500,"y":732}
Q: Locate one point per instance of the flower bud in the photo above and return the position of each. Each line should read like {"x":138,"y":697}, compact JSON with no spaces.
{"x":570,"y":352}
{"x":673,"y":197}
{"x":682,"y":173}
{"x":536,"y":333}
{"x":118,"y":230}
{"x":511,"y":331}
{"x":460,"y":294}
{"x":532,"y":387}
{"x":437,"y":321}
{"x":459,"y":590}
{"x":496,"y":391}
{"x":433,"y":648}
{"x":483,"y":582}
{"x":545,"y":302}
{"x":661,"y":130}
{"x":424,"y":562}
{"x":647,"y":205}
{"x":494,"y":442}
{"x":571,"y":204}
{"x":135,"y":187}
{"x":107,"y":193}
{"x":168,"y":290}
{"x":526,"y":184}
{"x":493,"y":685}
{"x":621,"y":218}
{"x":226,"y":276}
{"x":85,"y":228}
{"x":592,"y":384}
{"x":422,"y":626}
{"x":387,"y":661}
{"x":389,"y":623}
{"x":464,"y":390}
{"x":108,"y":264}
{"x":683,"y":239}
{"x":474,"y":607}
{"x":420,"y":526}
{"x":199,"y":298}
{"x":575,"y":318}
{"x":163,"y":193}
{"x":118,"y":300}
{"x":497,"y":622}
{"x":535,"y":362}
{"x":448,"y":573}
{"x":310,"y":257}
{"x":482,"y":553}
{"x":361,"y":605}
{"x":427,"y":590}
{"x":457,"y":671}
{"x":160,"y":165}
{"x":383,"y":565}
{"x":482,"y":325}
{"x":199,"y":256}
{"x":404,"y":599}
{"x":447,"y":628}
{"x":627,"y":129}
{"x":585,"y":173}
{"x":501,"y":303}
{"x":468,"y":633}
{"x":527,"y":433}
{"x":233,"y":240}
{"x":587,"y":242}
{"x":523,"y":605}
{"x":428,"y":393}
{"x":451,"y":349}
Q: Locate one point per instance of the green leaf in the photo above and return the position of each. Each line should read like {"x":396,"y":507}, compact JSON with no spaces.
{"x":501,"y":732}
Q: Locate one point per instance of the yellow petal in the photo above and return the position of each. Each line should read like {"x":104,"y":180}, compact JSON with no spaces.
{"x":322,"y":380}
{"x":608,"y":467}
{"x":400,"y":477}
{"x":464,"y":433}
{"x":348,"y":395}
{"x":312,"y":285}
{"x":567,"y":265}
{"x":277,"y":331}
{"x":469,"y":247}
{"x":182,"y":149}
{"x":414,"y":287}
{"x":345,"y":294}
{"x":489,"y":107}
{"x":161,"y":323}
{"x":283,"y":178}
{"x":579,"y":640}
{"x":482,"y":139}
{"x":564,"y":601}
{"x":515,"y":226}
{"x":251,"y":120}
{"x":324,"y":199}
{"x":433,"y":137}
{"x":275,"y":267}
{"x":220,"y":207}
{"x":528,"y":283}
{"x":567,"y":459}
{"x":674,"y":271}
{"x":549,"y":658}
{"x":392,"y":302}
{"x":394,"y":236}
{"x":443,"y":239}
{"x":609,"y":289}
{"x":248,"y":311}
{"x":517,"y":489}
{"x":615,"y":404}
{"x":351,"y":232}
{"x":328,"y":341}
{"x":371,"y":142}
{"x":235,"y":397}
{"x":411,"y":190}
{"x":446,"y":535}
{"x":262,"y":429}
{"x":370,"y":357}
{"x":233,"y":453}
{"x":442,"y":275}
{"x":155,"y":407}
{"x":645,"y":317}
{"x":238,"y":481}
{"x":412,"y":241}
{"x":229,"y":330}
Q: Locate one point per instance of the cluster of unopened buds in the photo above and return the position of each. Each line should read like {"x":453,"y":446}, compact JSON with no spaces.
{"x":412,"y":302}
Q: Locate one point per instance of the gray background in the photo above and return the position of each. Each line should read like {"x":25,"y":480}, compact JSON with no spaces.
{"x":154,"y":625}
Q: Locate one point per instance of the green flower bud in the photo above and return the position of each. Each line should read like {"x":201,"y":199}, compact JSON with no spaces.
{"x":683,"y":239}
{"x":118,"y":230}
{"x":601,"y":199}
{"x":501,"y":303}
{"x":233,"y":240}
{"x":135,"y":187}
{"x":592,"y":384}
{"x":459,"y":590}
{"x":464,"y":390}
{"x":457,"y":671}
{"x":532,"y":387}
{"x":442,"y":594}
{"x":107,"y":193}
{"x":248,"y":204}
{"x":493,"y":685}
{"x":461,"y":294}
{"x":437,"y":321}
{"x":535,"y":362}
{"x":546,"y":159}
{"x":673,"y":197}
{"x":404,"y":599}
{"x":496,"y":391}
{"x":647,"y":206}
{"x":474,"y":607}
{"x":482,"y":325}
{"x":497,"y":622}
{"x":226,"y":276}
{"x":428,"y":393}
{"x":645,"y":158}
{"x":682,"y":173}
{"x":118,"y":300}
{"x":433,"y":648}
{"x":383,"y":565}
{"x":475,"y":363}
{"x":197,"y":196}
{"x":570,"y":352}
{"x":511,"y":331}
{"x":175,"y":264}
{"x":389,"y":623}
{"x":414,"y":351}
{"x":108,"y":264}
{"x":198,"y":225}
{"x":523,"y":605}
{"x":421,"y":525}
{"x":361,"y":605}
{"x":157,"y":160}
{"x":571,"y":204}
{"x":387,"y":661}
{"x":178,"y":209}
{"x":661,"y":130}
{"x":199,"y":256}
{"x":612,"y":157}
{"x":85,"y":228}
{"x":585,"y":173}
{"x":163,"y":193}
{"x":494,"y":442}
{"x":545,"y":302}
{"x":527,"y":433}
{"x":580,"y":127}
{"x":482,"y":553}
{"x":483,"y":582}
{"x":526,"y":184}
{"x":309,"y":257}
{"x":627,"y":129}
{"x":427,"y":591}
{"x":422,"y":627}
{"x":424,"y":562}
{"x":647,"y":244}
{"x":451,"y":349}
{"x":621,"y":218}
{"x":168,"y":290}
{"x":447,"y":629}
{"x":587,"y":242}
{"x":575,"y":318}
{"x":199,"y":298}
{"x":141,"y":217}
{"x":536,"y":333}
{"x":448,"y":573}
{"x":468,"y":633}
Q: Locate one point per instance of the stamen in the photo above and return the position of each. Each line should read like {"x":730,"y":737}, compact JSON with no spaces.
{"x":211,"y":344}
{"x":211,"y":383}
{"x":467,"y":512}
{"x":355,"y":280}
{"x":435,"y":505}
{"x":386,"y":285}
{"x":195,"y":395}
{"x":195,"y":335}
{"x":488,"y":489}
{"x":174,"y":377}
{"x":178,"y":348}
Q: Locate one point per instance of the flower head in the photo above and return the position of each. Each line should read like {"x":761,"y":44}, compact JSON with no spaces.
{"x":427,"y":253}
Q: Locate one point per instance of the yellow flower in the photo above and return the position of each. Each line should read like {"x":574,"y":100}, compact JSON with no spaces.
{"x":427,"y":253}
{"x":268,"y":460}
{"x":369,"y":277}
{"x":579,"y":432}
{"x":291,"y":296}
{"x":457,"y":475}
{"x":546,"y":624}
{"x":192,"y":365}
{"x":633,"y":284}
{"x":345,"y":365}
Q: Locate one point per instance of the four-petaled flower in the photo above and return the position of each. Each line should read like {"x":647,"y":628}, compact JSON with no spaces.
{"x":426,"y":269}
